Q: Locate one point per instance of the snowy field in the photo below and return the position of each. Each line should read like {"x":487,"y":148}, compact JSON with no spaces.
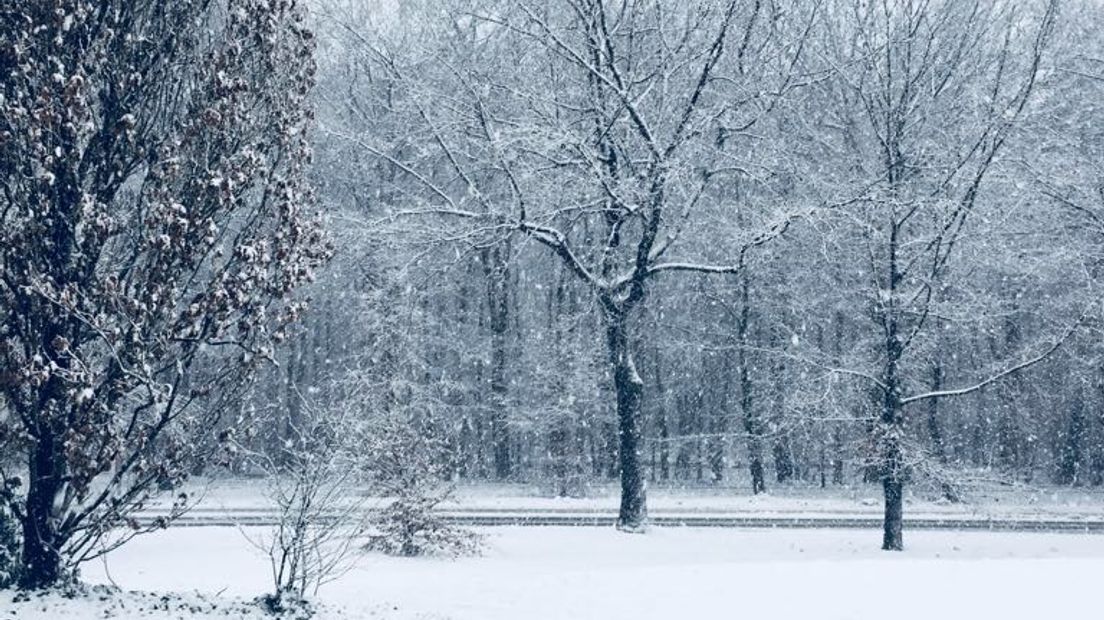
{"x":535,"y":573}
{"x":667,"y":574}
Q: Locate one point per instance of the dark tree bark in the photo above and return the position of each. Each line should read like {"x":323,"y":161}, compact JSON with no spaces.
{"x":42,"y":562}
{"x":893,"y":535}
{"x":753,"y":423}
{"x":633,"y":514}
{"x":784,"y":469}
{"x":1071,"y":451}
{"x":557,"y":451}
{"x":892,"y":463}
{"x":781,"y":451}
{"x":891,"y":425}
{"x":663,"y":425}
{"x":935,"y":426}
{"x":497,"y":273}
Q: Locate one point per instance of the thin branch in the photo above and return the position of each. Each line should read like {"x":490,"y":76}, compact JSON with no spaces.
{"x":1000,"y":375}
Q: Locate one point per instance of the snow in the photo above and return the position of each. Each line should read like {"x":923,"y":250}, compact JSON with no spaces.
{"x":104,"y":602}
{"x":541,"y":573}
{"x":245,"y":496}
{"x":595,"y":572}
{"x":704,"y":574}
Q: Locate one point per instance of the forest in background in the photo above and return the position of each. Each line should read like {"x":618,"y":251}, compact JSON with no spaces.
{"x":766,"y":373}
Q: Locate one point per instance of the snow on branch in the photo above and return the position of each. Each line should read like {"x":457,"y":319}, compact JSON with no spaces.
{"x":1000,"y":375}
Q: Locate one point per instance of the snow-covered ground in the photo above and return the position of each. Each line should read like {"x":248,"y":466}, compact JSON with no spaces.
{"x":579,"y":573}
{"x":245,"y":495}
{"x":108,"y":602}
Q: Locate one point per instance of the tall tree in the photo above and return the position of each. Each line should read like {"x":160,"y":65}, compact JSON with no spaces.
{"x":154,"y":222}
{"x":925,"y":95}
{"x":595,"y":129}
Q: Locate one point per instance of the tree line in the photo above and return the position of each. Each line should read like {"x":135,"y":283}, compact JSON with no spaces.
{"x":728,"y":241}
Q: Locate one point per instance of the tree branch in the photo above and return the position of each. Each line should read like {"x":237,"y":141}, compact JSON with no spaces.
{"x":1000,"y":375}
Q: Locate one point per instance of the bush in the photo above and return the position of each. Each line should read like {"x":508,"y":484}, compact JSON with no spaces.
{"x":410,"y":527}
{"x":286,"y":607}
{"x":409,"y":465}
{"x":310,"y":485}
{"x":10,"y":535}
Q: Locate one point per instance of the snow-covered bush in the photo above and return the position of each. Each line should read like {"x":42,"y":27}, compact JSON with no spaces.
{"x":408,"y":465}
{"x":410,"y":527}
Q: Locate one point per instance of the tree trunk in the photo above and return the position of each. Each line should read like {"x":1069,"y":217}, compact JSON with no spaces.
{"x":893,"y":537}
{"x":500,"y":436}
{"x":837,"y":454}
{"x":935,"y":433}
{"x":557,"y":452}
{"x":697,"y":431}
{"x":837,"y":427}
{"x":753,"y":423}
{"x":41,"y":559}
{"x":892,"y":470}
{"x":935,"y":429}
{"x":497,"y":273}
{"x":781,"y":451}
{"x":663,"y":423}
{"x":1071,"y":455}
{"x":717,"y":460}
{"x":784,"y":469}
{"x":633,"y":514}
{"x":891,"y":426}
{"x":718,"y":428}
{"x":758,"y":480}
{"x":558,"y":436}
{"x":685,"y":431}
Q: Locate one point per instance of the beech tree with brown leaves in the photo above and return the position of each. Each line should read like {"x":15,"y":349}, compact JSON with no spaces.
{"x":155,"y":220}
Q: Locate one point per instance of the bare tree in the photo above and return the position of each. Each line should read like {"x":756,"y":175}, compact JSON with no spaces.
{"x":595,"y":130}
{"x":925,"y":95}
{"x":311,"y":483}
{"x":447,"y":122}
